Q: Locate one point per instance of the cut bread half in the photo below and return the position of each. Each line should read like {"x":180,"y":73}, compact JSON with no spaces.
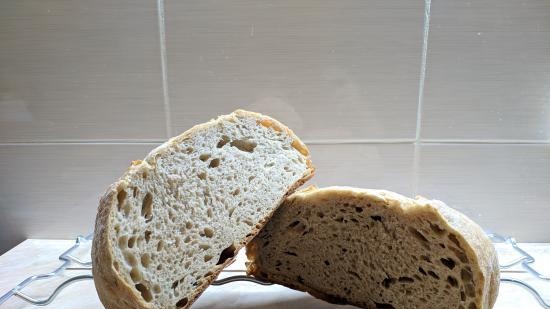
{"x":376,"y":249}
{"x":174,"y":220}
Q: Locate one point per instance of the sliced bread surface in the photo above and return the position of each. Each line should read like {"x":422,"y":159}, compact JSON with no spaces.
{"x":376,"y":249}
{"x":174,"y":220}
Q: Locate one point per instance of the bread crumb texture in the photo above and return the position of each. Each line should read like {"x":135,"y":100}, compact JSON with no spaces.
{"x":376,"y":249}
{"x":175,"y":219}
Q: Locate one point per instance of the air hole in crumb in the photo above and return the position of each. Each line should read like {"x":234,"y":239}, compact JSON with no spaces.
{"x":470,"y":290}
{"x":290,"y":253}
{"x":159,"y":267}
{"x":171,"y":215}
{"x":236,"y":192}
{"x":144,"y":175}
{"x":358,"y":209}
{"x":293,"y":224}
{"x":123,"y":242}
{"x":452,"y":281}
{"x":376,"y":218}
{"x":433,"y":274}
{"x":131,"y":241}
{"x":160,"y":245}
{"x":422,"y":271}
{"x":130,"y":258}
{"x":223,"y":141}
{"x":188,"y":225}
{"x":462,"y":296}
{"x":416,"y":234}
{"x":251,"y":178}
{"x":405,"y":279}
{"x":189,"y":150}
{"x":208,"y":232}
{"x":148,"y":236}
{"x":320,"y":215}
{"x":207,"y":258}
{"x":175,"y":284}
{"x":466,"y":274}
{"x":244,"y":145}
{"x":146,"y":260}
{"x":231,"y":210}
{"x":203,"y":157}
{"x":202,"y":176}
{"x":472,"y":306}
{"x":387,"y":282}
{"x":156,"y":289}
{"x":450,"y":263}
{"x":383,"y":306}
{"x":187,"y":239}
{"x":177,"y":242}
{"x":147,"y":207}
{"x":135,"y":274}
{"x":327,"y":263}
{"x":121,"y":198}
{"x":226,"y":254}
{"x":459,"y":254}
{"x":209,"y":212}
{"x":300,"y":279}
{"x":204,"y":246}
{"x":248,"y":222}
{"x":437,"y":229}
{"x":182,"y":302}
{"x":145,"y":293}
{"x":214,"y":163}
{"x":454,"y":239}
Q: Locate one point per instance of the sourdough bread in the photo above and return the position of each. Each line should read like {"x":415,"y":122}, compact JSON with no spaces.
{"x":376,"y":249}
{"x":174,"y":220}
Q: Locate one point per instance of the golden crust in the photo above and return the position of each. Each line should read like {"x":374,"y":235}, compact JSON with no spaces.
{"x":469,"y":233}
{"x":114,"y":292}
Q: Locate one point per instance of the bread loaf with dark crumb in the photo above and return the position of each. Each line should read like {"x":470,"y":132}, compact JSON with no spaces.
{"x":376,"y":249}
{"x":174,"y":220}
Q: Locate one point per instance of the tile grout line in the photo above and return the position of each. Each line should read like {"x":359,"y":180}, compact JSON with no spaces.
{"x":485,"y":141}
{"x":162,"y":39}
{"x":309,"y":142}
{"x":421,"y":83}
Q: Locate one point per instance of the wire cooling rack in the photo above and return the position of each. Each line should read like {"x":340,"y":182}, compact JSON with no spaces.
{"x":71,"y":263}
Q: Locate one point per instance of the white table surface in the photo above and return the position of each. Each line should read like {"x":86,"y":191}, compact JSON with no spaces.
{"x":35,"y":256}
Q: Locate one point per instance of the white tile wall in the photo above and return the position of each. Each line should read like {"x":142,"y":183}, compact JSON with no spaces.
{"x":53,"y":190}
{"x":80,"y":70}
{"x":488,"y":71}
{"x":82,"y":82}
{"x":376,"y":166}
{"x":330,"y":70}
{"x":505,"y":188}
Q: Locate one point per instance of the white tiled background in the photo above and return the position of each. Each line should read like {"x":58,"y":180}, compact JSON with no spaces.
{"x":448,"y":99}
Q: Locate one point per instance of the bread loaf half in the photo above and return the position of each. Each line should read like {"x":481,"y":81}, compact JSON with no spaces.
{"x":376,"y":249}
{"x":170,"y":224}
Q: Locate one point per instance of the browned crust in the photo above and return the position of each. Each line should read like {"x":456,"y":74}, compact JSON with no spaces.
{"x":114,"y":292}
{"x":469,"y":233}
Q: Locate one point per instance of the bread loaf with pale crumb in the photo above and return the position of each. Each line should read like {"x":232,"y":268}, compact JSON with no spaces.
{"x":174,"y":220}
{"x":376,"y":249}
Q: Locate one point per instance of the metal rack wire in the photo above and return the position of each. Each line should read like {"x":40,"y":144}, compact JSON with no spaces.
{"x":71,"y":263}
